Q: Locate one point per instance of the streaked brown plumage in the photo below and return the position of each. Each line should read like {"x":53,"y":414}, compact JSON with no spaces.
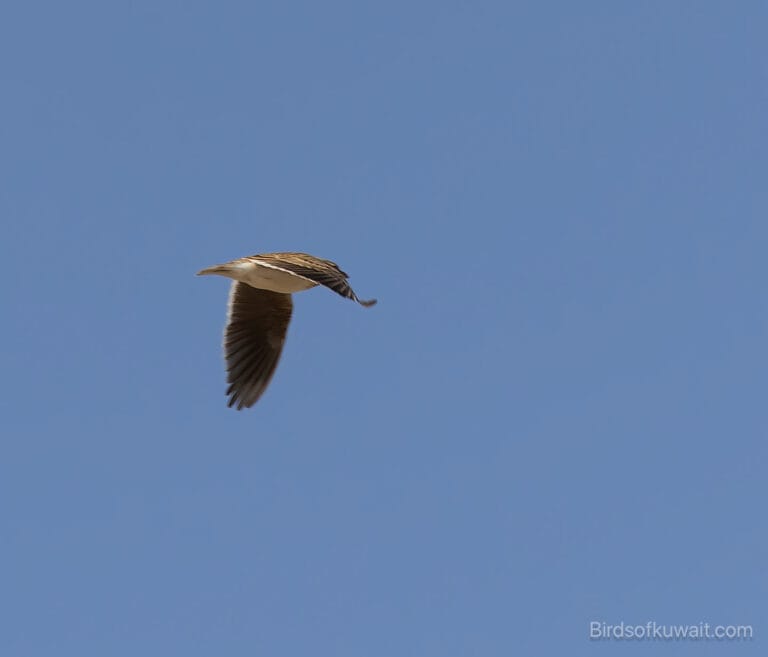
{"x":259,"y":311}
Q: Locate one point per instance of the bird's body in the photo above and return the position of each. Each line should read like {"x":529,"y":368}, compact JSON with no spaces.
{"x":258,"y":274}
{"x":259,"y":311}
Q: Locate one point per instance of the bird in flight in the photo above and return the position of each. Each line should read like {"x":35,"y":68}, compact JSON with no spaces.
{"x":259,"y":311}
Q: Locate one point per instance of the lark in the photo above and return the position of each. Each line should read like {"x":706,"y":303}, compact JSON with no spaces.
{"x":259,"y":310}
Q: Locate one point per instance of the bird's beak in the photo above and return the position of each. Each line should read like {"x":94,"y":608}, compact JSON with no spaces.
{"x":221,"y":270}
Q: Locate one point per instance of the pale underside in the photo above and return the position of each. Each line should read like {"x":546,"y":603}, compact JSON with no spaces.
{"x":266,"y":277}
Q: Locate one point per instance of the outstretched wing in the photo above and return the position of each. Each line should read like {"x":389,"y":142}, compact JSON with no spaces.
{"x":257,"y":322}
{"x":317,"y":270}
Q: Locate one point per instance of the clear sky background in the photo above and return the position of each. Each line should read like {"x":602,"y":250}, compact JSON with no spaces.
{"x":555,"y":415}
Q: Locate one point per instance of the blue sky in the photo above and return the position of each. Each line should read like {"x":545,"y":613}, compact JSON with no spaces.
{"x":555,"y":415}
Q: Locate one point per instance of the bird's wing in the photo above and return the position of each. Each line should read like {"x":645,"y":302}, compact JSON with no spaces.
{"x":257,"y":321}
{"x":317,"y":270}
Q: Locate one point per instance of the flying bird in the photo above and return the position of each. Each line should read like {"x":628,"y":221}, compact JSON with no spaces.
{"x":259,"y":310}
